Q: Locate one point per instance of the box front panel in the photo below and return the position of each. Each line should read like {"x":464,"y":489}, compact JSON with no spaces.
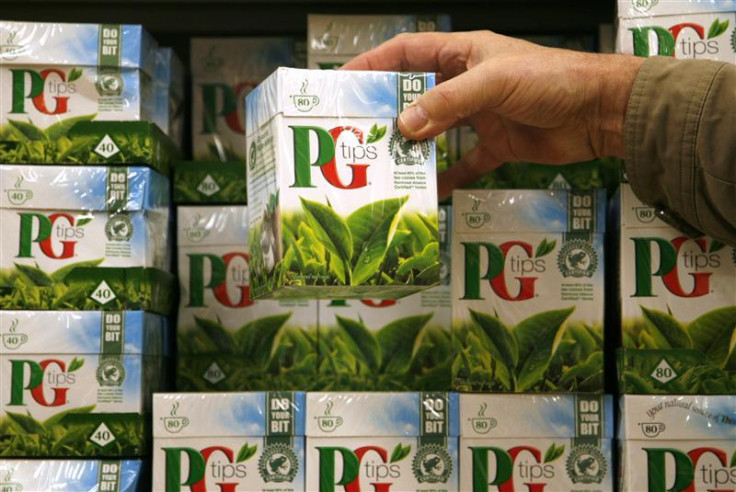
{"x":704,"y":36}
{"x":385,"y":463}
{"x":536,"y":464}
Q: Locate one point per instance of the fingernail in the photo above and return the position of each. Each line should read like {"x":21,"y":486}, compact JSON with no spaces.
{"x":414,"y":118}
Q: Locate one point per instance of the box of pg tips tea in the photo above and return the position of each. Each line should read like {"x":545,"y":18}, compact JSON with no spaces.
{"x":536,"y":442}
{"x":229,"y":441}
{"x":678,"y":442}
{"x":224,"y":71}
{"x":57,"y":219}
{"x":686,"y":30}
{"x":528,"y":290}
{"x":331,"y":180}
{"x":71,"y":475}
{"x":226,"y":341}
{"x":678,"y":306}
{"x":78,"y":383}
{"x":382,"y":441}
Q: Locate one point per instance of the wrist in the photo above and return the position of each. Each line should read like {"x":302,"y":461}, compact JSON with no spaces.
{"x":615,"y":75}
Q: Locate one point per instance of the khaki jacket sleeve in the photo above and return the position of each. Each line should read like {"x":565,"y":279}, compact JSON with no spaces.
{"x":680,"y":143}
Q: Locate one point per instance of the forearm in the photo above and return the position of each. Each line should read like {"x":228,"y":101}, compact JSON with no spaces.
{"x":680,"y":142}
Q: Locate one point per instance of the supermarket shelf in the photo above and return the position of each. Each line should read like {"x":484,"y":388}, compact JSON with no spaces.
{"x":261,"y":17}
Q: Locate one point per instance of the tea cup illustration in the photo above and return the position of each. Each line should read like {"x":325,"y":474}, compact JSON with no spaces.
{"x":12,"y":341}
{"x":175,"y":424}
{"x":652,"y":429}
{"x":645,"y":214}
{"x":483,"y":425}
{"x":19,"y":197}
{"x":328,"y":423}
{"x":476,"y":219}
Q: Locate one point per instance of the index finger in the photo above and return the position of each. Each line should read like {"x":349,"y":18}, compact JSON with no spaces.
{"x":446,"y":53}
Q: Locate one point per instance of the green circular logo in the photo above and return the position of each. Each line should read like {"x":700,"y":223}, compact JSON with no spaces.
{"x":577,"y":258}
{"x":432,"y":464}
{"x":119,"y":227}
{"x":408,"y":152}
{"x":278,"y":463}
{"x":109,"y":84}
{"x":586,"y":464}
{"x":110,"y":372}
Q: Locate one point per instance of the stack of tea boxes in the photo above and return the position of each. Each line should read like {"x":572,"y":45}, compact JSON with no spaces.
{"x":677,"y":367}
{"x":88,"y":119}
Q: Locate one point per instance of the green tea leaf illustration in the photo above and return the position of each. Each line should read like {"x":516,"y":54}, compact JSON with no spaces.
{"x":246,"y":452}
{"x":503,"y":345}
{"x":715,"y":246}
{"x":60,"y":274}
{"x":363,"y":340}
{"x":84,"y":221}
{"x":669,"y":328}
{"x":537,"y":337}
{"x":554,"y":452}
{"x":717,"y":28}
{"x":635,"y":384}
{"x":76,"y":364}
{"x":35,"y":275}
{"x":428,"y":257}
{"x":75,"y":74}
{"x":400,"y":452}
{"x":396,"y":340}
{"x":28,"y":424}
{"x":733,"y":460}
{"x":431,"y":225}
{"x":61,"y":128}
{"x":330,"y":229}
{"x":585,"y":342}
{"x":220,"y":338}
{"x":255,"y":339}
{"x":59,"y":417}
{"x":375,"y":134}
{"x":28,"y":130}
{"x":372,"y":228}
{"x":545,"y":247}
{"x":73,"y":438}
{"x":712,"y":332}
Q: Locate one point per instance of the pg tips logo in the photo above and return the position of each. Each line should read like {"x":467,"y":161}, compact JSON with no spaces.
{"x":683,"y":265}
{"x":343,"y":155}
{"x":533,"y":470}
{"x":224,"y":103}
{"x":214,"y":468}
{"x":225,"y":276}
{"x":683,"y":40}
{"x":55,"y":234}
{"x":499,"y":264}
{"x":363,"y":468}
{"x":699,"y":469}
{"x":46,"y":91}
{"x":47,"y":381}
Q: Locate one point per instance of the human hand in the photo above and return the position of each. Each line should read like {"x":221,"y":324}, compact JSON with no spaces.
{"x":526,"y":102}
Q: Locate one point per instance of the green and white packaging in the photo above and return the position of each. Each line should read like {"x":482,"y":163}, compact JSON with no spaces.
{"x":224,"y":71}
{"x":676,"y":442}
{"x":229,"y":441}
{"x":61,"y":220}
{"x":687,"y":30}
{"x":387,"y":344}
{"x":331,"y":181}
{"x":535,"y":442}
{"x":528,"y":290}
{"x":54,"y":76}
{"x":333,"y":40}
{"x":678,"y":306}
{"x":208,"y":183}
{"x":78,"y":383}
{"x":226,"y":341}
{"x":70,"y":475}
{"x":382,"y":441}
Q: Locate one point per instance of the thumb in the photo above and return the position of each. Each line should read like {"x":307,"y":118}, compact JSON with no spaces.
{"x":442,"y":107}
